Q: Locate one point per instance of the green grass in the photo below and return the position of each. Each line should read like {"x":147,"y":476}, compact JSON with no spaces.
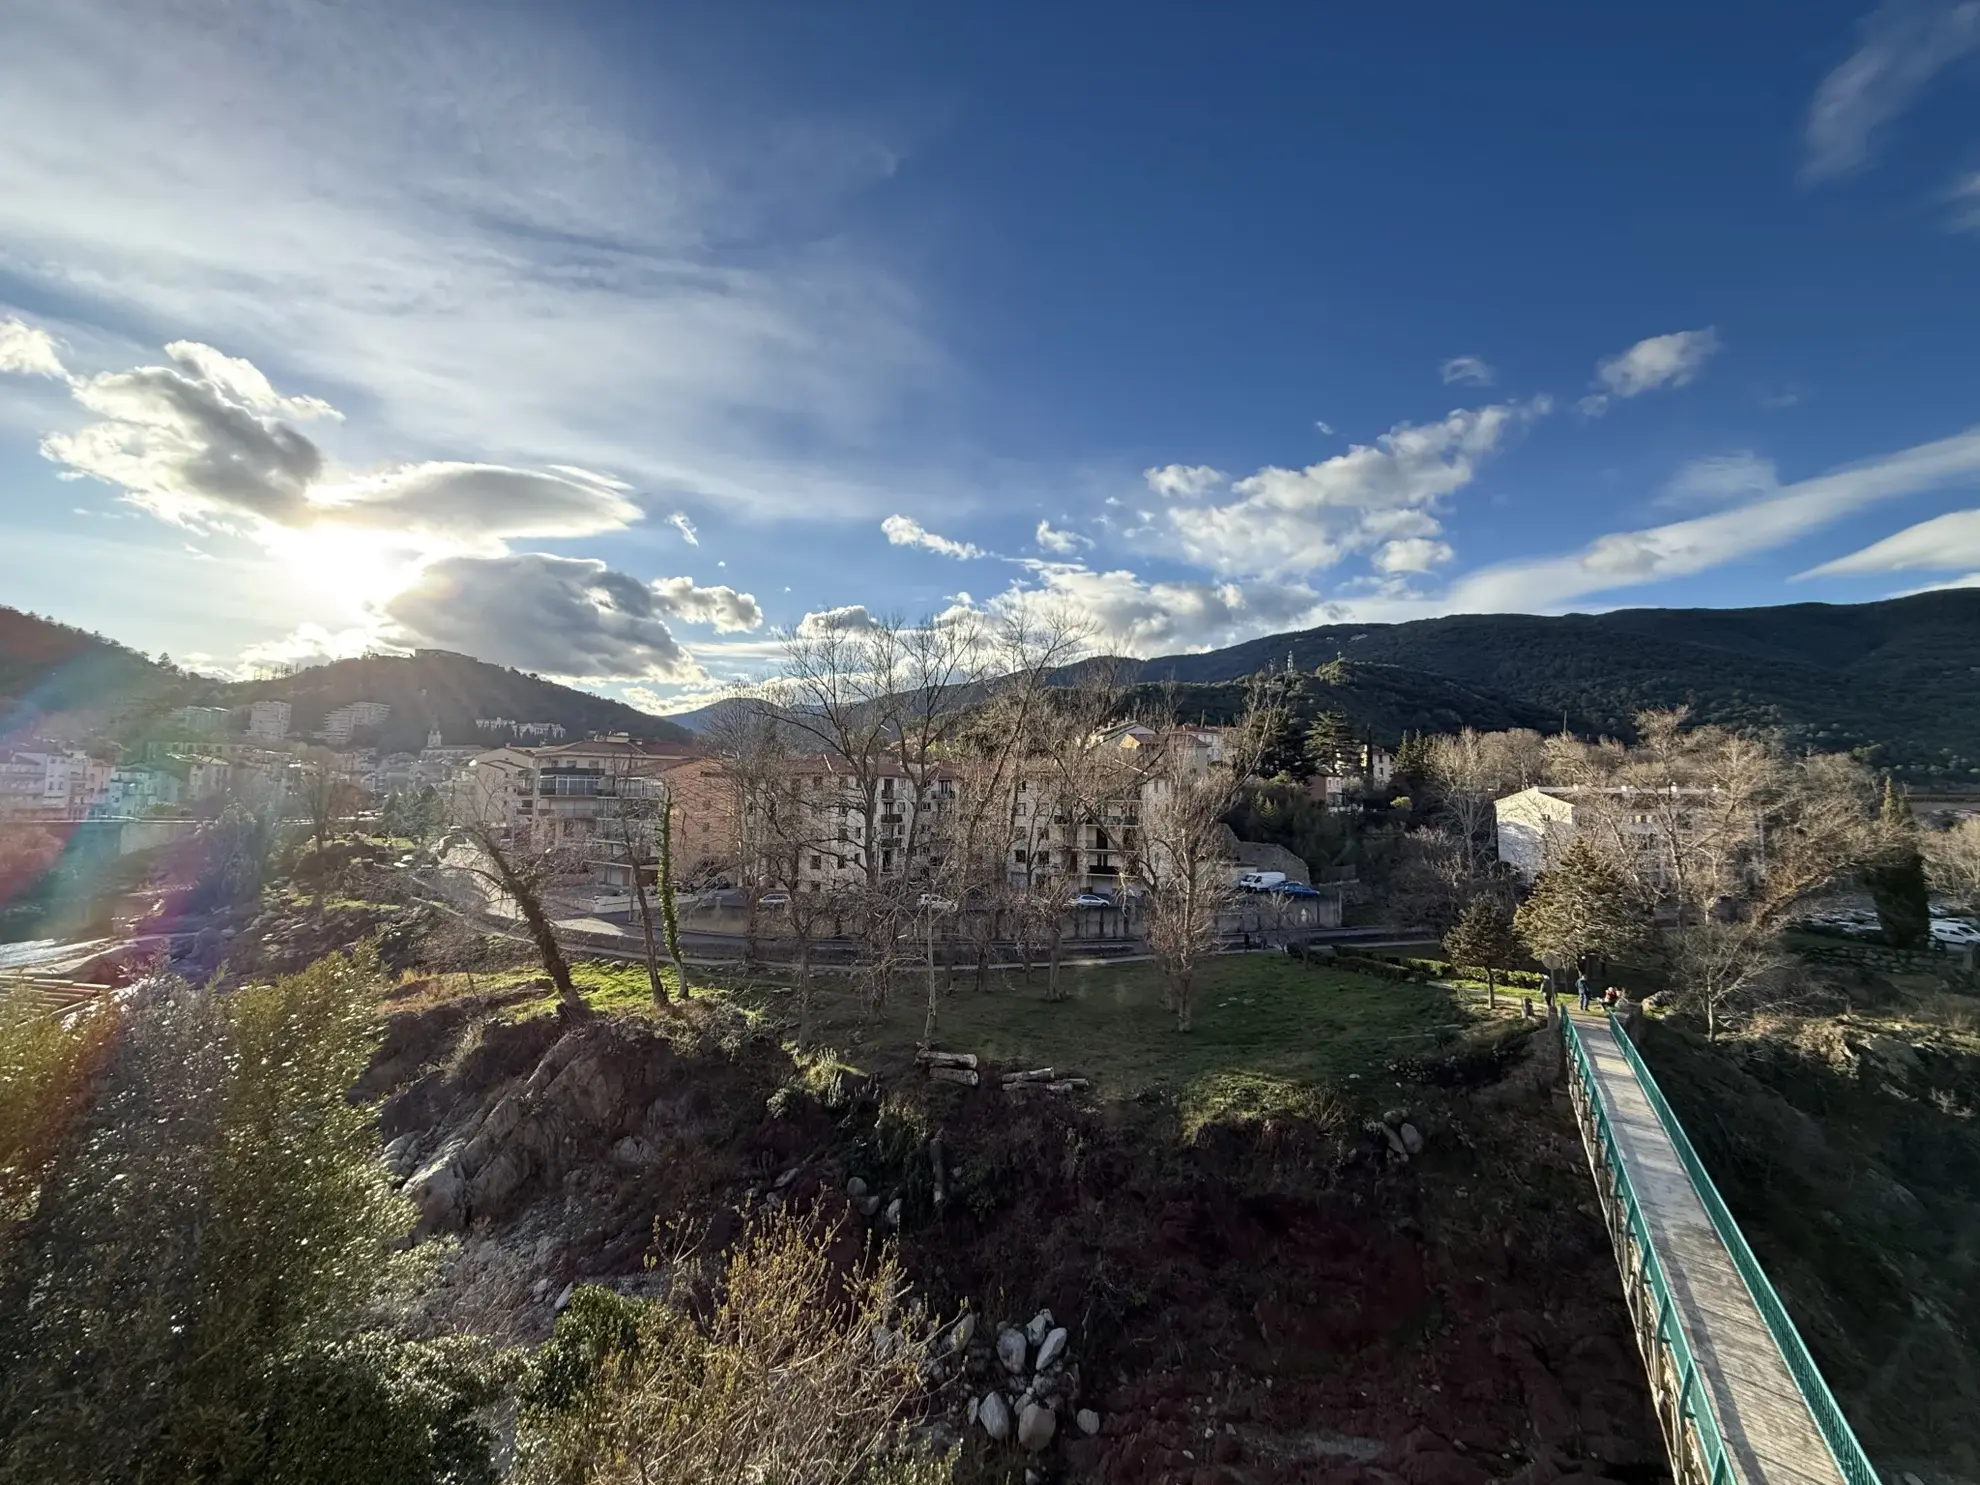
{"x":1269,"y":1034}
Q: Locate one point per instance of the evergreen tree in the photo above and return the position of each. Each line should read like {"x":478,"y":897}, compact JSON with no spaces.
{"x":1332,"y":746}
{"x":1579,"y":910}
{"x":1483,"y":938}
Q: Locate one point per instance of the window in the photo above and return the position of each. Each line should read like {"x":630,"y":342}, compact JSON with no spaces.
{"x":817,"y":863}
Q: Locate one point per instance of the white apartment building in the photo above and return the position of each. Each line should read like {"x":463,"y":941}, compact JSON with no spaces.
{"x":268,"y":721}
{"x":1536,"y":825}
{"x":338,"y":725}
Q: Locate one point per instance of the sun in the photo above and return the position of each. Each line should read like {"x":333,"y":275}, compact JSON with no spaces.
{"x":349,"y":570}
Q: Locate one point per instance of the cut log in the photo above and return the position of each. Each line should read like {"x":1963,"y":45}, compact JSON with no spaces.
{"x":947,"y":1059}
{"x":964,"y":1075}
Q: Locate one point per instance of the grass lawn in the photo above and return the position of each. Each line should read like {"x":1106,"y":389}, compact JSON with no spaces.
{"x":1270,"y":1034}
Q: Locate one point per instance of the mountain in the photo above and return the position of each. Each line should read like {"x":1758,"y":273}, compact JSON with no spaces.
{"x":1899,"y":679}
{"x":50,"y":670}
{"x":437,"y":688}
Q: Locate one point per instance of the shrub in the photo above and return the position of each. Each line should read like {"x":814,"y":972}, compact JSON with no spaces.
{"x":791,"y":1372}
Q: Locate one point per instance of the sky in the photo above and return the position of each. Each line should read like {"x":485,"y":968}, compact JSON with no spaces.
{"x":613,"y":341}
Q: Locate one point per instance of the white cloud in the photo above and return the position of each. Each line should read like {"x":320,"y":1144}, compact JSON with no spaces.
{"x":1130,"y":615}
{"x":679,"y":521}
{"x":1629,"y":558}
{"x":563,"y":616}
{"x":1060,"y":543}
{"x":729,"y":611}
{"x":1593,"y":405}
{"x":1324,"y":427}
{"x":1287,"y":521}
{"x":1472,"y":371}
{"x":307,"y":644}
{"x":905,"y":531}
{"x":1720,"y":479}
{"x":1944,"y":544}
{"x":207,"y":439}
{"x":851,"y":616}
{"x":1904,"y":45}
{"x":28,"y":350}
{"x":485,"y":237}
{"x":1660,"y":361}
{"x":1412,"y":554}
{"x":1183,"y":481}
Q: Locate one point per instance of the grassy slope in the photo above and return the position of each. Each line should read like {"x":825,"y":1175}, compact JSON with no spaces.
{"x":1849,"y":1150}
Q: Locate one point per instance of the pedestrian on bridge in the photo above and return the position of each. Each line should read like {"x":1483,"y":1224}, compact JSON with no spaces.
{"x":1581,"y":991}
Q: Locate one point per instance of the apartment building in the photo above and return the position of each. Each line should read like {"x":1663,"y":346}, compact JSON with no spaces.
{"x":268,"y":721}
{"x":340,"y":724}
{"x":1535,"y":826}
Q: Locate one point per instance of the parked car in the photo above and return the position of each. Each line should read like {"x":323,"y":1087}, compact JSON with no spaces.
{"x":1955,"y":932}
{"x":1291,"y":889}
{"x":930,"y":902}
{"x":1092,"y":900}
{"x":1258,"y":881}
{"x":777,"y":899}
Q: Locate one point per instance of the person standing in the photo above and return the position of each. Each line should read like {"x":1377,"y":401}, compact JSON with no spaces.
{"x":1581,"y":991}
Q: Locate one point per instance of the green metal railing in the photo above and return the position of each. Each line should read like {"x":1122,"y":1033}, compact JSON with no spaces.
{"x":1822,"y":1406}
{"x":1692,"y":1405}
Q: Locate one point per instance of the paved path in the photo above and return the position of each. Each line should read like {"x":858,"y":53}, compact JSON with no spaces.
{"x":1770,"y":1435}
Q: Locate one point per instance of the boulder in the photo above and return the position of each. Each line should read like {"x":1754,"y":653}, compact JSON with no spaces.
{"x":1051,"y":1348}
{"x":1011,"y":1349}
{"x":1088,"y":1421}
{"x":995,"y":1416}
{"x":1036,"y":1425}
{"x":1412,"y":1139}
{"x":1396,"y":1146}
{"x":855,"y":1190}
{"x":894,"y":1212}
{"x":962,"y":1332}
{"x":1040,"y":1326}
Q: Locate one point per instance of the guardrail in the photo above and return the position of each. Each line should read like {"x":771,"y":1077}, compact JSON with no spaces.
{"x":1822,"y":1406}
{"x":1691,"y":1420}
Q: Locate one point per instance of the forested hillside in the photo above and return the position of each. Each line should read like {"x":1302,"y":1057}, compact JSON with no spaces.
{"x":1900,"y":679}
{"x":48,"y":668}
{"x":436,"y":688}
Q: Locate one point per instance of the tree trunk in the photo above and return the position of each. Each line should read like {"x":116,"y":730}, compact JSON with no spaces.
{"x":1491,"y":989}
{"x":804,"y":991}
{"x":928,"y":1026}
{"x":1052,"y":966}
{"x":646,"y":928}
{"x":547,"y":947}
{"x":664,"y":881}
{"x":1182,"y":997}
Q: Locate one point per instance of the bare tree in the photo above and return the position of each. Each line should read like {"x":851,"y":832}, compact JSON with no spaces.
{"x":1189,"y":785}
{"x":501,"y":857}
{"x":329,"y":796}
{"x":1952,"y":860}
{"x":1727,"y":836}
{"x":640,"y":823}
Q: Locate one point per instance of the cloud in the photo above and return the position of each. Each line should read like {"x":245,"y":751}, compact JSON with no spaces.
{"x":1903,"y":46}
{"x":1471,"y":371}
{"x":28,"y":350}
{"x":1326,"y":428}
{"x":729,"y":611}
{"x":1661,"y":361}
{"x":852,"y":616}
{"x":1944,"y":544}
{"x":207,"y":439}
{"x":1287,"y":521}
{"x":1183,"y":481}
{"x":1060,"y":543}
{"x":1413,"y":554}
{"x":1965,"y":200}
{"x":904,"y":531}
{"x":490,"y":241}
{"x":1629,"y":558}
{"x":1720,"y":479}
{"x":564,"y":616}
{"x":1132,"y":616}
{"x":679,"y":521}
{"x":306,"y":644}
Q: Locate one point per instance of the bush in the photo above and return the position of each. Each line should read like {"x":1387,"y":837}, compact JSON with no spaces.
{"x":792,"y":1372}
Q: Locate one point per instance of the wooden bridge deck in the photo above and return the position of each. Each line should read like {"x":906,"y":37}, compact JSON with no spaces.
{"x":1771,"y":1438}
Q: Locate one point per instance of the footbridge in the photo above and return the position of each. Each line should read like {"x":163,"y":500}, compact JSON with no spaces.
{"x":1737,"y":1394}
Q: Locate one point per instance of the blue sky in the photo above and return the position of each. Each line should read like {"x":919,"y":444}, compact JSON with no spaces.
{"x":609,"y":340}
